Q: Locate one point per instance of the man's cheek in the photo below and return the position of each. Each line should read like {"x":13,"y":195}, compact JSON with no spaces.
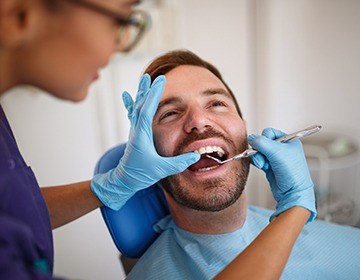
{"x":160,"y":147}
{"x":165,"y":141}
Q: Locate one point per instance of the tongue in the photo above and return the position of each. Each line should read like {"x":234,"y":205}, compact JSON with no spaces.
{"x":202,"y":163}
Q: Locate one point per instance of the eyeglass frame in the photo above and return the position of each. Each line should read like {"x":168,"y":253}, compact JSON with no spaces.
{"x":122,"y":22}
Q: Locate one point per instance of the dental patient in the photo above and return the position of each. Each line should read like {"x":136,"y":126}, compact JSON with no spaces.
{"x":210,"y":221}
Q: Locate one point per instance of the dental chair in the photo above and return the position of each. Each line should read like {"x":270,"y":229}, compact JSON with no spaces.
{"x":131,"y":227}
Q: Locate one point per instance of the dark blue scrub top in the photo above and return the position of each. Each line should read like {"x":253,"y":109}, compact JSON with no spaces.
{"x":26,"y":245}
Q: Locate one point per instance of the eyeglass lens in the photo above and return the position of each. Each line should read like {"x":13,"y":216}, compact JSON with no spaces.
{"x":130,"y":33}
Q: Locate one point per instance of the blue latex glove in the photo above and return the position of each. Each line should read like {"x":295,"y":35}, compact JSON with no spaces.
{"x":141,"y":166}
{"x":286,"y":170}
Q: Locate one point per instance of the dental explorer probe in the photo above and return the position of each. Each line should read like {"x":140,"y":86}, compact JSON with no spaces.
{"x":286,"y":138}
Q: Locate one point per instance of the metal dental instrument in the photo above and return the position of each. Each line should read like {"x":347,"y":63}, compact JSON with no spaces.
{"x":286,"y":138}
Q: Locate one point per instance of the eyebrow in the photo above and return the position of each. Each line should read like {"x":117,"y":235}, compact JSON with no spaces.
{"x":167,"y":101}
{"x":207,"y":92}
{"x":221,"y":91}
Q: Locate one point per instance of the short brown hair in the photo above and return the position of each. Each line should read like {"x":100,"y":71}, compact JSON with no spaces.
{"x":170,"y":60}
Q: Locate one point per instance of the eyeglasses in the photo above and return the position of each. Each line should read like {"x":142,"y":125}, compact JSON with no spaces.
{"x":131,"y":29}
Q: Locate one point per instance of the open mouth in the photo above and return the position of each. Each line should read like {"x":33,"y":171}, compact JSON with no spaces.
{"x":205,"y":163}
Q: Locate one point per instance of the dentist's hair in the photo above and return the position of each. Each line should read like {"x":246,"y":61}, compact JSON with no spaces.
{"x":170,"y":60}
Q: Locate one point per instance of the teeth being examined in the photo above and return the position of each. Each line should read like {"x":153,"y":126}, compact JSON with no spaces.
{"x":208,"y":168}
{"x":211,"y":149}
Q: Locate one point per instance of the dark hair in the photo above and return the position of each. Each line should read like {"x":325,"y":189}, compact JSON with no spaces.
{"x":170,"y":60}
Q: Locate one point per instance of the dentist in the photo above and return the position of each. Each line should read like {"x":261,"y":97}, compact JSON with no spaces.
{"x":59,"y":46}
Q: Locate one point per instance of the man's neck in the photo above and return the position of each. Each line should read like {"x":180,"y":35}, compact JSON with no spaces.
{"x":227,"y":220}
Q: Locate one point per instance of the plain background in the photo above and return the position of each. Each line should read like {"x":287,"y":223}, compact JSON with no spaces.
{"x":290,"y":63}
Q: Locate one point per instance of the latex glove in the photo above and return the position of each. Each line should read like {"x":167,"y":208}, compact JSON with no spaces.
{"x":286,"y":170}
{"x":141,"y":166}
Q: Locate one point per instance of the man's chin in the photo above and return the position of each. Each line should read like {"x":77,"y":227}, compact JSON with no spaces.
{"x":210,"y":195}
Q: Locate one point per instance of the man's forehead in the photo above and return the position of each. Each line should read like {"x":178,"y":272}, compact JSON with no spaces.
{"x":191,"y":78}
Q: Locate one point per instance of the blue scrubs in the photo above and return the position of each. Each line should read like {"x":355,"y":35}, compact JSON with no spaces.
{"x":26,"y":245}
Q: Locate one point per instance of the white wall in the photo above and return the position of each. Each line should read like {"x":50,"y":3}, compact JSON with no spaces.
{"x":308,"y":62}
{"x":308,"y":73}
{"x":291,"y":64}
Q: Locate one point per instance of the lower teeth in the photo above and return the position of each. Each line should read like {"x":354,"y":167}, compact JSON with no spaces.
{"x":207,"y":168}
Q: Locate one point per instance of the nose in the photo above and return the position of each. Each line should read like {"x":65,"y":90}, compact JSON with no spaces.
{"x":197,"y":120}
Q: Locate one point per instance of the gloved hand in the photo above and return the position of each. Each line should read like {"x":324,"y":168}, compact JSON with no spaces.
{"x":141,"y":166}
{"x":286,"y":170}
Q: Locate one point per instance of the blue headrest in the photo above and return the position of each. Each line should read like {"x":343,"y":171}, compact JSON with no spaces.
{"x":131,"y":227}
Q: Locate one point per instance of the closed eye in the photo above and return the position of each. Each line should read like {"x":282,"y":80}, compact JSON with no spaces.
{"x":218,"y":105}
{"x":168,"y":115}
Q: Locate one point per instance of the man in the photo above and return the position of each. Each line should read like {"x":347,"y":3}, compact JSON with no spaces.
{"x":210,"y":222}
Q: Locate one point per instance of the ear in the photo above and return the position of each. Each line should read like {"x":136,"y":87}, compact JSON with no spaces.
{"x":15,"y":21}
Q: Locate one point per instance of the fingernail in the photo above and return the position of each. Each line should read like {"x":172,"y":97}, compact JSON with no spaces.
{"x":251,"y":137}
{"x":194,"y":158}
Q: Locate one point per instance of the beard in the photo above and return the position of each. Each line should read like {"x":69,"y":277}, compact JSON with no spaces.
{"x":214,"y":194}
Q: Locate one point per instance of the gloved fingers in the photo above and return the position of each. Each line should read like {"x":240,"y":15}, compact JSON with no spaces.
{"x":259,"y":161}
{"x":144,"y":93}
{"x":144,"y":111}
{"x":181,"y":162}
{"x":264,"y":145}
{"x":272,"y":133}
{"x":153,"y":98}
{"x":144,"y":86}
{"x":133,"y":107}
{"x":128,"y":103}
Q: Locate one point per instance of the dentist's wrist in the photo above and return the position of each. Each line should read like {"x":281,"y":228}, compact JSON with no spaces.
{"x":304,"y":198}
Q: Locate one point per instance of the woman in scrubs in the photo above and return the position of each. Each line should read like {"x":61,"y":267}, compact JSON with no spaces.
{"x":59,"y":46}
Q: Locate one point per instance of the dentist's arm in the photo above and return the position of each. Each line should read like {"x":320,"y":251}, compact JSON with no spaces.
{"x":69,"y":202}
{"x":266,"y":256}
{"x":287,"y":172}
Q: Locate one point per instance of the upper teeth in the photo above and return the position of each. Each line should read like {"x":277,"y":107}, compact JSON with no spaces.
{"x":211,"y":149}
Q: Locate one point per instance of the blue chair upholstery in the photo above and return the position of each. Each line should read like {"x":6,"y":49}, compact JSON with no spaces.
{"x":131,"y":227}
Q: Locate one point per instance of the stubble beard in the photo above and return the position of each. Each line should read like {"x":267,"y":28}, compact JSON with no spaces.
{"x":210,"y":195}
{"x":215,"y":194}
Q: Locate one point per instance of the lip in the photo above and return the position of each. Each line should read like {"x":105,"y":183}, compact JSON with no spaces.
{"x":96,"y":77}
{"x":216,"y":172}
